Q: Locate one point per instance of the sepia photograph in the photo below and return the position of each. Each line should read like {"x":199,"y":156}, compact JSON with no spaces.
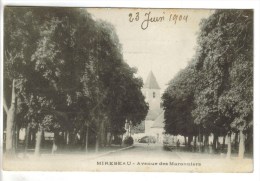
{"x":128,"y":89}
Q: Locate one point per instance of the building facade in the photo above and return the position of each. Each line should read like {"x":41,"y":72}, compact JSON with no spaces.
{"x":154,"y":121}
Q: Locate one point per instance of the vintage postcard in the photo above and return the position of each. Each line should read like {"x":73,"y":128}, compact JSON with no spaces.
{"x":128,"y":89}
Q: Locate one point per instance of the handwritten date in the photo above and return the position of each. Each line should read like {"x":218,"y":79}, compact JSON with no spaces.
{"x":148,"y":18}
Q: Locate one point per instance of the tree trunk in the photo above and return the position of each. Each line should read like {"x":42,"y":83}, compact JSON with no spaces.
{"x":16,"y":136}
{"x":68,"y":138}
{"x":102,"y":135}
{"x":38,"y":142}
{"x":190,"y":138}
{"x":64,"y":133}
{"x":61,"y":139}
{"x":223,"y":143}
{"x":110,"y":138}
{"x":30,"y":138}
{"x":205,"y":142}
{"x":215,"y":142}
{"x":195,"y":142}
{"x":185,"y":140}
{"x":229,"y":145}
{"x":10,"y":125}
{"x":105,"y":136}
{"x":43,"y":139}
{"x":87,"y":132}
{"x":200,"y":140}
{"x":55,"y":142}
{"x":236,"y":140}
{"x":27,"y":136}
{"x":241,"y":150}
{"x":249,"y":143}
{"x":82,"y":138}
{"x":33,"y":141}
{"x":97,"y":142}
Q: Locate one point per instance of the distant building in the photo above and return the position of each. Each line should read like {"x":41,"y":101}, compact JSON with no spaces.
{"x":151,"y":91}
{"x":154,"y":121}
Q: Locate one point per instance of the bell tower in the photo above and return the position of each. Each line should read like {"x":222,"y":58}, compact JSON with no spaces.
{"x":151,"y":91}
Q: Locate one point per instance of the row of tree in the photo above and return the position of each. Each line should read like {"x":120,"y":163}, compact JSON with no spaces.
{"x":64,"y":72}
{"x":214,"y":93}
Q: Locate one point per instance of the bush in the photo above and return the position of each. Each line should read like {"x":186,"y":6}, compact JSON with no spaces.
{"x":117,"y":140}
{"x":129,"y":140}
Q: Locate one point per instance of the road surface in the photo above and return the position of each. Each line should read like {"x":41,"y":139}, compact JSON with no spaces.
{"x":145,"y":151}
{"x":139,"y":157}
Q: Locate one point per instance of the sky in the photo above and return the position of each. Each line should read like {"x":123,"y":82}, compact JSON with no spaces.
{"x":165,"y":46}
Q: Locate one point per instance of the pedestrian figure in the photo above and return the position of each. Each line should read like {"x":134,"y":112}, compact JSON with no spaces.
{"x":54,"y":148}
{"x":178,"y":143}
{"x":210,"y":147}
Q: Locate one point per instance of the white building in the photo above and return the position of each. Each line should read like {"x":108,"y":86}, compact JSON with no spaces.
{"x":154,"y":121}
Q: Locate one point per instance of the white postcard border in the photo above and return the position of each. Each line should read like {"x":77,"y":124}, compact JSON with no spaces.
{"x":223,"y":4}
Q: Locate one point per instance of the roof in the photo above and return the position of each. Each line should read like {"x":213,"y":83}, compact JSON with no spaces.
{"x":153,"y":114}
{"x":151,"y":82}
{"x":159,"y":121}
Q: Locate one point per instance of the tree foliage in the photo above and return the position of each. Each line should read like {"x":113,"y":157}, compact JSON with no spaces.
{"x":225,"y":65}
{"x":178,"y":102}
{"x":69,"y":72}
{"x":219,"y":80}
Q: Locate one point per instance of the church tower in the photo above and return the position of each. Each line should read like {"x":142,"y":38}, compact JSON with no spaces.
{"x":153,"y":125}
{"x":151,"y":91}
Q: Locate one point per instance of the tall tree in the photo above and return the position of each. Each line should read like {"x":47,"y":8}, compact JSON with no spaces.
{"x":222,"y":78}
{"x":225,"y":61}
{"x":21,"y":33}
{"x":178,"y":102}
{"x":71,"y":74}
